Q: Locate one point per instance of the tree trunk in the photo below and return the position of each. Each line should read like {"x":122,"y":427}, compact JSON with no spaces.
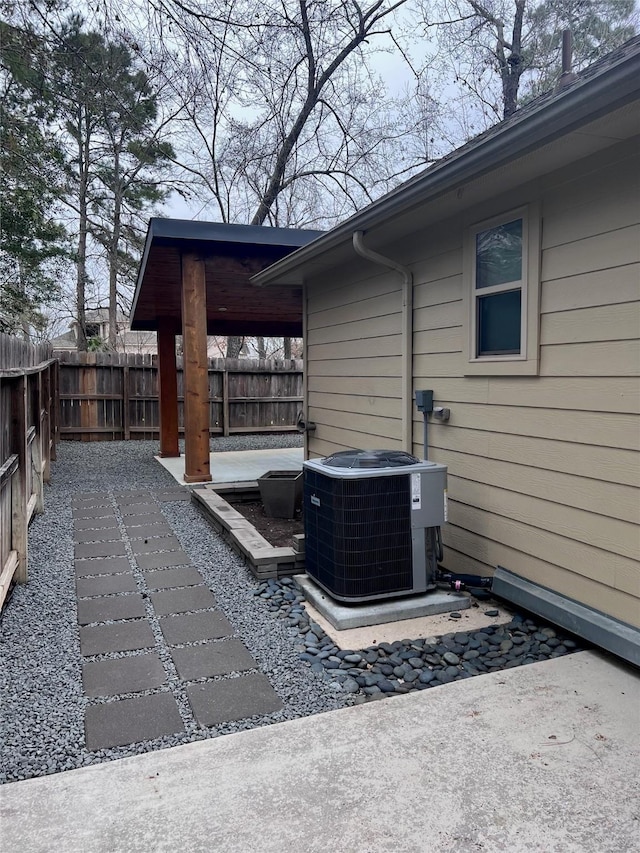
{"x":81,"y":334}
{"x":512,"y":70}
{"x":234,"y":346}
{"x":286,"y":347}
{"x":113,"y":257}
{"x":262,"y":350}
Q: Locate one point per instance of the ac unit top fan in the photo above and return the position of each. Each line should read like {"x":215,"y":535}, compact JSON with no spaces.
{"x":371,"y":518}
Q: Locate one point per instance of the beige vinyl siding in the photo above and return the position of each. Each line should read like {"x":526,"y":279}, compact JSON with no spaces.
{"x":544,"y":471}
{"x":353,"y":363}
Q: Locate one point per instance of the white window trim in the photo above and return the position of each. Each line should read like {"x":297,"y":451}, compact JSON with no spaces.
{"x":524,"y":363}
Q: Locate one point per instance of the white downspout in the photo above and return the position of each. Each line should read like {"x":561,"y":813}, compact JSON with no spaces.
{"x":407,"y":333}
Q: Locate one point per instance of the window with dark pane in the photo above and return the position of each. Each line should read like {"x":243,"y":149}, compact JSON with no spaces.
{"x":499,"y":254}
{"x":498,"y":323}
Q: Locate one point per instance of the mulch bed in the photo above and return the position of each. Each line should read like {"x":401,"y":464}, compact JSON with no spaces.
{"x":277,"y":531}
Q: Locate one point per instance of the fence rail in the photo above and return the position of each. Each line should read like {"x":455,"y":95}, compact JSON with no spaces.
{"x":28,"y":431}
{"x":111,"y":396}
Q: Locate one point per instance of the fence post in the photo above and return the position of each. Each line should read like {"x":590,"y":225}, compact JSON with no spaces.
{"x":225,"y":402}
{"x":19,"y":524}
{"x":36,"y":451}
{"x":46,"y":423}
{"x":126,"y":424}
{"x":55,"y":408}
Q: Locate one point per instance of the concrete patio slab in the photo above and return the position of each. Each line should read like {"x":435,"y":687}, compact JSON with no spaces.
{"x":425,"y":627}
{"x":149,"y":531}
{"x":96,"y":534}
{"x":238,"y":465}
{"x":111,"y":565}
{"x":112,"y":607}
{"x":538,"y":758}
{"x":128,"y":509}
{"x":155,"y":543}
{"x":343,"y":616}
{"x":122,"y":675}
{"x":168,"y":578}
{"x":233,"y":699}
{"x":121,"y":722}
{"x":182,"y":600}
{"x":192,"y":627}
{"x":100,"y":549}
{"x":96,"y":523}
{"x":105,"y":585}
{"x":162,"y":560}
{"x":119,"y":637}
{"x":210,"y":659}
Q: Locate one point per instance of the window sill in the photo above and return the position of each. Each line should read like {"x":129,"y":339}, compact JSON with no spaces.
{"x":502,"y":367}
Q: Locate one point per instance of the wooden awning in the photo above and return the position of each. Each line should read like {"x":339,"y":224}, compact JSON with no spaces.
{"x":194,"y":281}
{"x":231,"y":255}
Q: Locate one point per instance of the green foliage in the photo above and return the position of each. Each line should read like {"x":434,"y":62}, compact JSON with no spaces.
{"x":33,"y":243}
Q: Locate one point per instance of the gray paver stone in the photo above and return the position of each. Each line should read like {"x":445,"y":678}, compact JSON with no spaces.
{"x":100,"y":549}
{"x":131,"y":493}
{"x":133,"y":521}
{"x":233,"y":699}
{"x":191,"y":627}
{"x":112,"y":607}
{"x":172,"y":495}
{"x":209,"y":659}
{"x":136,"y":498}
{"x":100,"y":534}
{"x":131,"y":720}
{"x":182,"y":600}
{"x":96,"y":523}
{"x":111,"y":565}
{"x":105,"y":585}
{"x":123,"y":675}
{"x":147,"y":531}
{"x":119,"y":637}
{"x":99,"y":499}
{"x":168,"y":578}
{"x":93,"y":512}
{"x":161,"y":560}
{"x":155,"y":543}
{"x":129,"y":509}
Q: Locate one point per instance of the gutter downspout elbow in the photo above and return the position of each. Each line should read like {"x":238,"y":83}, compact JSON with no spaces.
{"x":407,"y":332}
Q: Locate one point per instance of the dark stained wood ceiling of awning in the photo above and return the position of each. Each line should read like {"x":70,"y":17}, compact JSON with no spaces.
{"x":234,"y":305}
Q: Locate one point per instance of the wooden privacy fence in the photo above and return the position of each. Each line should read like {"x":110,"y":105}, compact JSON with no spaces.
{"x":111,"y":396}
{"x":28,"y":427}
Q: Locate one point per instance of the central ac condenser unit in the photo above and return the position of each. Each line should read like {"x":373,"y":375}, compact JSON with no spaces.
{"x":371,"y":521}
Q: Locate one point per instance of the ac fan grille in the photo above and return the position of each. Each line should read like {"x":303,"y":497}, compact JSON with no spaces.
{"x":358,"y":540}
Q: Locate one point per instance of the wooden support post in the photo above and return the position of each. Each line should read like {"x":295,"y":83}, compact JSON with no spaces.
{"x":19,"y":497}
{"x":196,"y":379}
{"x":167,"y":390}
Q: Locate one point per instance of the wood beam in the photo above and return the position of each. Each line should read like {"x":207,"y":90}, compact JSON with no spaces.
{"x":168,"y":390}
{"x":196,"y":380}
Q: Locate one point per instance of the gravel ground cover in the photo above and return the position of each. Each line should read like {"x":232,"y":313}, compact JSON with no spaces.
{"x":40,"y":662}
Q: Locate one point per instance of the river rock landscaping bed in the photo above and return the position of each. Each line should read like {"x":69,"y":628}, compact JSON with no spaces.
{"x":400,"y":667}
{"x":43,"y":703}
